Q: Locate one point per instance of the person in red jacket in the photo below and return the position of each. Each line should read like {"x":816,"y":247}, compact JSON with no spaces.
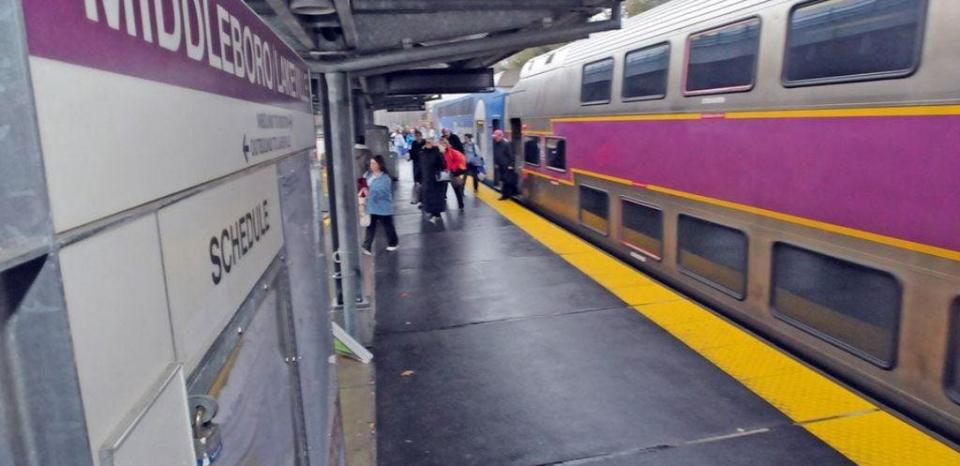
{"x":457,"y":165}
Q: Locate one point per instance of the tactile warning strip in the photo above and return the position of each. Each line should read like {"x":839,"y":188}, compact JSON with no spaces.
{"x":841,"y":418}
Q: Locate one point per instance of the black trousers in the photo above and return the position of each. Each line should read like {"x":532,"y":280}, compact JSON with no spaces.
{"x":387,"y":221}
{"x":457,"y":182}
{"x":472,"y":171}
{"x":508,"y":187}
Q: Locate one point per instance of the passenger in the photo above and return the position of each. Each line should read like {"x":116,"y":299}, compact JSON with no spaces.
{"x":474,"y":160}
{"x":503,"y":161}
{"x":399,"y":142}
{"x":457,"y":165}
{"x":435,"y":179}
{"x":453,"y":138}
{"x":416,"y":148}
{"x":379,"y":193}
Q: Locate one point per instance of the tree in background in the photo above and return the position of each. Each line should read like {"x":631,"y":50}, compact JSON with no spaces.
{"x":635,"y":7}
{"x":516,"y":61}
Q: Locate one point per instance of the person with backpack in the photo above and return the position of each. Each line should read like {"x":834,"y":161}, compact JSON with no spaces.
{"x":474,"y":160}
{"x":416,"y":148}
{"x":457,"y":164}
{"x":435,"y":178}
{"x":379,"y":203}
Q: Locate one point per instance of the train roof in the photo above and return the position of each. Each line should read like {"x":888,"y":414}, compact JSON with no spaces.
{"x":656,"y":22}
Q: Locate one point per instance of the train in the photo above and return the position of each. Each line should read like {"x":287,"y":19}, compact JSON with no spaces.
{"x":792,"y":164}
{"x":477,"y":114}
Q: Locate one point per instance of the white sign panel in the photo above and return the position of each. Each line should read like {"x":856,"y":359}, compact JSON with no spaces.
{"x":137,"y":100}
{"x":216,"y":245}
{"x":113,"y":142}
{"x":160,"y":435}
{"x":113,"y":283}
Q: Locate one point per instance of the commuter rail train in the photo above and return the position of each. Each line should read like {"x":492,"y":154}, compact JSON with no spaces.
{"x":477,"y":114}
{"x":793,"y":164}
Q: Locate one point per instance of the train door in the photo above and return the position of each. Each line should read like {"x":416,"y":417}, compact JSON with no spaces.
{"x":516,"y":139}
{"x":480,"y":136}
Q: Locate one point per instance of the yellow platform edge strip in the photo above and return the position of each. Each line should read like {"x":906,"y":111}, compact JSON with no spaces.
{"x":844,"y":420}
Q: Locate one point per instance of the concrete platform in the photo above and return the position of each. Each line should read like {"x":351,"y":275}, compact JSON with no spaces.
{"x":518,"y":358}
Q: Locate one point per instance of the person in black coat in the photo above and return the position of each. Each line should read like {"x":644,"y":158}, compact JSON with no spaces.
{"x":432,"y":163}
{"x":504,"y":164}
{"x":416,"y":148}
{"x":453,"y":139}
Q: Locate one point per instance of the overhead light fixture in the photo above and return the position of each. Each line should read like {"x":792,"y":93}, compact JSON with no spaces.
{"x":312,"y":7}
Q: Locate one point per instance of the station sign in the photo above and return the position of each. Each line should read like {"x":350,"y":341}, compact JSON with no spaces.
{"x":140,"y":99}
{"x":216,"y":245}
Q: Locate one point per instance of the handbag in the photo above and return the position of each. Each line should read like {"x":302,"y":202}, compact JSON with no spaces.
{"x":443,"y":175}
{"x":364,"y":215}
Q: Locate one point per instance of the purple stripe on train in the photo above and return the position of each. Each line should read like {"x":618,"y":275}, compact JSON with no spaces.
{"x":216,"y":46}
{"x":895,"y":176}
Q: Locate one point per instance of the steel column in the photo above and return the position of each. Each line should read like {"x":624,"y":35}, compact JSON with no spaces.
{"x":310,"y":305}
{"x":340,"y":133}
{"x":41,"y":411}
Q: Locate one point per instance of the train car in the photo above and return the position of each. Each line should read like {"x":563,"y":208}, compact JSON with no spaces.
{"x":792,"y":164}
{"x":478,"y":114}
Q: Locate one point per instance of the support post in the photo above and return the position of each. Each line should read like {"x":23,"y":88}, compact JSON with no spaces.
{"x":340,"y":132}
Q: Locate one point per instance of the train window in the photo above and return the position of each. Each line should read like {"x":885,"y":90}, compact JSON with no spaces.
{"x":723,"y":59}
{"x":532,"y":150}
{"x":557,"y":154}
{"x":714,"y":254}
{"x":597,"y":80}
{"x":853,"y":40}
{"x":953,"y":355}
{"x":594,"y":209}
{"x":850,"y":305}
{"x":645,"y":72}
{"x":642,"y":228}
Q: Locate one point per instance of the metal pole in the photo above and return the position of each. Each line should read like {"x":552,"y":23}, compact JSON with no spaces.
{"x":331,"y":187}
{"x":341,"y":141}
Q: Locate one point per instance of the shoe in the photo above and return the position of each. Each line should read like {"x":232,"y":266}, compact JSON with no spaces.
{"x":413,"y":202}
{"x":433,"y":220}
{"x":461,"y":207}
{"x":366,"y":252}
{"x":502,"y":198}
{"x":391,"y":248}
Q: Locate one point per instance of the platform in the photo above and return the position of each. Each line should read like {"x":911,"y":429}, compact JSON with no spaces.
{"x":528,"y":346}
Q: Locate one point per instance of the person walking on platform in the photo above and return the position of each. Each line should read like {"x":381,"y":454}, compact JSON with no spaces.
{"x":453,"y":138}
{"x":474,"y":160}
{"x":399,"y":143}
{"x":457,"y":164}
{"x":416,"y":148}
{"x":504,"y":164}
{"x":435,"y":179}
{"x":379,"y":194}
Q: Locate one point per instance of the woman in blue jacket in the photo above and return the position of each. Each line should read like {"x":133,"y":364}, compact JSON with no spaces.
{"x":379,"y":192}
